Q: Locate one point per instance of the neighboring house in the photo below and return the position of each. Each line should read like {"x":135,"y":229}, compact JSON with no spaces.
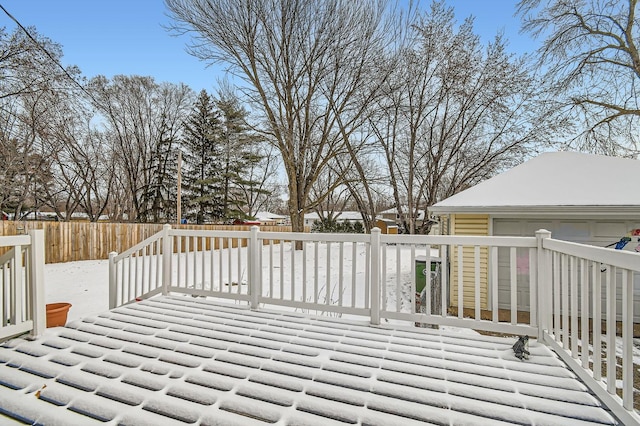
{"x":579,"y":197}
{"x":392,"y":214}
{"x":268,"y":218}
{"x":346,"y":216}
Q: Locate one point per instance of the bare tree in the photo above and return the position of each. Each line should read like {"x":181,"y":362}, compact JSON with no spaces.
{"x":31,"y":79}
{"x":143,"y":121}
{"x":590,"y":51}
{"x":27,"y":62}
{"x":454,"y":113}
{"x":259,"y":179}
{"x":300,"y":60}
{"x":83,"y":164}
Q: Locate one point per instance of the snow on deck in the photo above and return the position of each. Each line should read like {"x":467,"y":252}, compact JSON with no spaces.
{"x":183,"y":360}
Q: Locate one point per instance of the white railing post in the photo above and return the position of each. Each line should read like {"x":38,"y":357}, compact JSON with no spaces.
{"x":113,"y":281}
{"x":167,"y":252}
{"x":375,"y":276}
{"x":254,"y":268}
{"x":36,"y":274}
{"x":545,"y":296}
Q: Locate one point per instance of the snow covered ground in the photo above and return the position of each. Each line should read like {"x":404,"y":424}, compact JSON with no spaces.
{"x":83,"y":284}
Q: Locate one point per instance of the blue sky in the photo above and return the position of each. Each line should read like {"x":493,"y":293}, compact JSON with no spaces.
{"x":112,"y":37}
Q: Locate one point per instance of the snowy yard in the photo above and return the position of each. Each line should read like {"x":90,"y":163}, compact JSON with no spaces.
{"x":85,"y":284}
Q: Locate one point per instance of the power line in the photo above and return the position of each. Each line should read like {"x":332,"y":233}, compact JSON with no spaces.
{"x":50,"y":56}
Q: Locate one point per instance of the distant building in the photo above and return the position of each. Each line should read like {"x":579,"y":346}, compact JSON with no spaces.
{"x":346,"y":216}
{"x":268,"y":218}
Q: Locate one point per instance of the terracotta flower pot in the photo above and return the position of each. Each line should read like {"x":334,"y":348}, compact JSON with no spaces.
{"x":57,"y":314}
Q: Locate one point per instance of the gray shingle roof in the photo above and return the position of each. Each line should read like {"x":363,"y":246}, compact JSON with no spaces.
{"x":181,"y":360}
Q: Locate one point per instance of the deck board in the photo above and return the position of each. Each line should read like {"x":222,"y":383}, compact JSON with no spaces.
{"x":184,"y":360}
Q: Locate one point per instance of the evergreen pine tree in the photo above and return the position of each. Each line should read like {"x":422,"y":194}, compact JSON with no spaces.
{"x":238,"y":156}
{"x":161,"y":193}
{"x":203,"y":181}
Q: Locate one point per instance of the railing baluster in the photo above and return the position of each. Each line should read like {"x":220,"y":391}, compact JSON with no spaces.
{"x":460,"y":281}
{"x":513,"y":280}
{"x":292,"y":285}
{"x":493,"y":273}
{"x":187,"y":262}
{"x":611,"y":330}
{"x":574,"y":307}
{"x":136,"y":284}
{"x":203,"y":251}
{"x":477,"y":282}
{"x":229,"y":264}
{"x":328,"y":275}
{"x":4,"y":295}
{"x":121,"y":287}
{"x":282,"y":268}
{"x":444,"y":279}
{"x":304,"y":271}
{"x":315,"y":272}
{"x":556,"y":296}
{"x":179,"y":260}
{"x":597,"y":320}
{"x":354,"y":264}
{"x":220,"y":248}
{"x":584,"y":314}
{"x":398,"y":282}
{"x":627,"y":340}
{"x":130,"y":283}
{"x":533,"y":288}
{"x":376,"y":248}
{"x":260,"y":276}
{"x":239,"y":263}
{"x":565,"y":301}
{"x":196,"y":260}
{"x":341,"y":272}
{"x":145,"y":283}
{"x":383,"y":276}
{"x":17,"y":297}
{"x":428,"y":285}
{"x":271,"y":268}
{"x":412,"y":291}
{"x":212,"y":263}
{"x":367,"y":277}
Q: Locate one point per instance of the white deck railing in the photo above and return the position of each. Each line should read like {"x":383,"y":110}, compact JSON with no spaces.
{"x":331,"y":274}
{"x":518,"y":285}
{"x":22,"y":307}
{"x":589,"y":296}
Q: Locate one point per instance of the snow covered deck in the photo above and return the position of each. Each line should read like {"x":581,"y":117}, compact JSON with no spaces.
{"x":184,"y":360}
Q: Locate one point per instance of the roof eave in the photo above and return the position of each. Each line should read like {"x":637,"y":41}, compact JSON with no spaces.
{"x":573,"y":211}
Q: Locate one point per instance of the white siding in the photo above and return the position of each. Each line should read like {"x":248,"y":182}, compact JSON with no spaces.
{"x":597,"y":232}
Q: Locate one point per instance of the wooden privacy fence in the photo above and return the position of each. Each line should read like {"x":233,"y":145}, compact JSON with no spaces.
{"x":73,"y":241}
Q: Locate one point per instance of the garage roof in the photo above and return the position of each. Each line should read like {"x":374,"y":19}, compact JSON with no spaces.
{"x":561,"y":182}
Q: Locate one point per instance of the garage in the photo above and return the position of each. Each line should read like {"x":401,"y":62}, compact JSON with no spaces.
{"x":598,"y":232}
{"x":583,"y":198}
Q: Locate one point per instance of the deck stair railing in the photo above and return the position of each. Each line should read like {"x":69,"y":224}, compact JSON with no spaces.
{"x":562,"y":293}
{"x":22,"y":307}
{"x":588,"y":318}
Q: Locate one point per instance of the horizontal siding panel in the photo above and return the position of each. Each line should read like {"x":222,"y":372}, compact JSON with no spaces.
{"x":469,"y":224}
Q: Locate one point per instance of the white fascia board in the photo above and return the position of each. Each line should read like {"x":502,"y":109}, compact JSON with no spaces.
{"x":538,"y":211}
